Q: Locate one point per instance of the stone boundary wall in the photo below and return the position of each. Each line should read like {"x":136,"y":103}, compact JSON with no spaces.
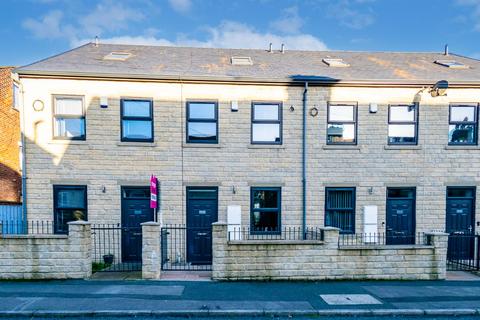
{"x":47,"y":256}
{"x":324,"y":260}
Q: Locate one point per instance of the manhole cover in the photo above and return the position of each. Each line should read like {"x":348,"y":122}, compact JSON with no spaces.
{"x":349,"y":299}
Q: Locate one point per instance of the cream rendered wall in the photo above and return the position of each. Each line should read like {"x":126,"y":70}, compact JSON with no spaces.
{"x":102,"y":160}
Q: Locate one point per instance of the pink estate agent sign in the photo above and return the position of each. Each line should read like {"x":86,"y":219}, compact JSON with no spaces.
{"x":153,"y":192}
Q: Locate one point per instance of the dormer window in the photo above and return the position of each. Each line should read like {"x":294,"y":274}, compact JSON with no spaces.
{"x":452,"y":64}
{"x":117,"y":56}
{"x":241,"y":61}
{"x":335,"y":62}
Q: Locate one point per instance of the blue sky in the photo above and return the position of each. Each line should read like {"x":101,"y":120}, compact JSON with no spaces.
{"x":34,"y":29}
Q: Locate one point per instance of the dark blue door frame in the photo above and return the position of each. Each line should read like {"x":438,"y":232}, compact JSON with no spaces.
{"x":400,"y":215}
{"x":202,"y":211}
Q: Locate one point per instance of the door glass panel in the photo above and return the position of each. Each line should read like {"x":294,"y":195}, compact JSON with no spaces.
{"x":460,"y":192}
{"x":202,"y":194}
{"x":137,"y":193}
{"x":400,"y":193}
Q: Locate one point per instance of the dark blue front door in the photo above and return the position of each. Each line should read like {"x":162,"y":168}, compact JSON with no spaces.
{"x":460,"y":222}
{"x":202,"y":211}
{"x":135,"y":210}
{"x":400,"y":228}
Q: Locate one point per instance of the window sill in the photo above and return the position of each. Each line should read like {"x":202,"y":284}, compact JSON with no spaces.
{"x":201,"y":145}
{"x":341,"y":147}
{"x":136,"y":144}
{"x":402,"y":147}
{"x":266,"y":146}
{"x":461,"y":147}
{"x":68,"y":142}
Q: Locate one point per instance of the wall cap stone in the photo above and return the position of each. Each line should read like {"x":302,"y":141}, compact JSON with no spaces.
{"x":219,"y":223}
{"x":150,"y":223}
{"x":79,"y":222}
{"x":436,"y":233}
{"x":330,"y":229}
{"x":275,"y":242}
{"x":387,"y":247}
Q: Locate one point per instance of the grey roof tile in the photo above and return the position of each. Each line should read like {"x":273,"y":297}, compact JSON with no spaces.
{"x":210,"y":63}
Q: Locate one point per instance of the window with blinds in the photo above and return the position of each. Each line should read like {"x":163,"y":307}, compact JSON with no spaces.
{"x":340,"y":209}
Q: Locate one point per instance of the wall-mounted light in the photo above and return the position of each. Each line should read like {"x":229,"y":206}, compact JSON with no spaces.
{"x":38,"y":105}
{"x":234,"y":191}
{"x":370,"y":190}
{"x":439,"y":89}
{"x":292,"y":108}
{"x":234,"y":105}
{"x":104,"y":189}
{"x":373,"y":108}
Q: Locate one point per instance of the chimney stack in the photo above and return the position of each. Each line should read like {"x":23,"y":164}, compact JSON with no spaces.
{"x":446,"y":49}
{"x":282,"y":50}
{"x":270,"y":48}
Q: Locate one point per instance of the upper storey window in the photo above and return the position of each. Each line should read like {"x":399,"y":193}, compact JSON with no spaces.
{"x":137,"y":120}
{"x":202,"y":122}
{"x":403,"y":124}
{"x":342,"y":123}
{"x":266,"y":123}
{"x":463,"y":124}
{"x":69,"y":118}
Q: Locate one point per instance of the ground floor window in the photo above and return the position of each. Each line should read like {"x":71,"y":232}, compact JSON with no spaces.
{"x":340,"y":209}
{"x":265,"y":210}
{"x":70,"y":204}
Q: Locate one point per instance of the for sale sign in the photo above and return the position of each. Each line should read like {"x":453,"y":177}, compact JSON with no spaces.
{"x":153,"y":192}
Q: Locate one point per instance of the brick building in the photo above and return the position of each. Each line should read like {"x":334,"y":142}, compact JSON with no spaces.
{"x":367,"y":142}
{"x":10,"y":179}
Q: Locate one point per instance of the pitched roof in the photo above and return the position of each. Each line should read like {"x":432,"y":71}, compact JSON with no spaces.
{"x":182,"y":63}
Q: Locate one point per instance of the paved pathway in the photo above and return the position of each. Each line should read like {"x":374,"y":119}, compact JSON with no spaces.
{"x":144,"y":298}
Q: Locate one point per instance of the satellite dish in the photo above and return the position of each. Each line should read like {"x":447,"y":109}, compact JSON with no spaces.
{"x":439,"y":89}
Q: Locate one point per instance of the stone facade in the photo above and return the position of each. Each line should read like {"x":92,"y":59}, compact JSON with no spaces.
{"x":324,"y":260}
{"x":10,"y":179}
{"x":103,"y":161}
{"x":47,"y":256}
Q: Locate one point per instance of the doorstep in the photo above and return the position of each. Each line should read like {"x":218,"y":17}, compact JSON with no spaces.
{"x":186,"y":276}
{"x":462,"y":276}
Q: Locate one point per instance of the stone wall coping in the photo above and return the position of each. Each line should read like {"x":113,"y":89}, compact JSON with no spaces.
{"x":436,"y":233}
{"x":329,"y":229}
{"x":219,"y":223}
{"x":387,"y":247}
{"x":34,"y":236}
{"x":275,"y":242}
{"x":79,"y":222}
{"x":150,"y":223}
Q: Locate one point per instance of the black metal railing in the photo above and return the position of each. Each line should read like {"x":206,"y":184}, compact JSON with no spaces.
{"x":35,"y":227}
{"x":463,"y":252}
{"x":186,"y":248}
{"x":113,"y":250}
{"x":374,"y":239}
{"x":285,"y":233}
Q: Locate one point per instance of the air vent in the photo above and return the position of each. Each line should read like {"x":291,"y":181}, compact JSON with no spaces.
{"x":242,"y":61}
{"x":117,"y":56}
{"x":452,"y":64}
{"x":337,"y":63}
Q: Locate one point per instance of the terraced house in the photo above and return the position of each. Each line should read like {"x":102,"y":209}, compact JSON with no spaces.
{"x":269,"y":140}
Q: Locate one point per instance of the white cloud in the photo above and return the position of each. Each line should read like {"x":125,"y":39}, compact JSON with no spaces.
{"x":228,"y":34}
{"x":108,"y":16}
{"x":181,"y":6}
{"x":290,"y":22}
{"x":349,"y":13}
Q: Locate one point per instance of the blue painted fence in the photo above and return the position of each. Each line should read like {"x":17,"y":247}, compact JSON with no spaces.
{"x":11,"y":218}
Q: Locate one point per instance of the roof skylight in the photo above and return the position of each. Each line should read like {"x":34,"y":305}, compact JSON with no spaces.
{"x":335,"y":62}
{"x":117,"y":56}
{"x":451,"y":64}
{"x":241,"y":61}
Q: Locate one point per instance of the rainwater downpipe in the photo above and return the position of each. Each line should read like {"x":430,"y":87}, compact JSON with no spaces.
{"x":23,"y":154}
{"x":304,"y":163}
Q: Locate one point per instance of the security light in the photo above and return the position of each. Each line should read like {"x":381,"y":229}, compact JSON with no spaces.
{"x":439,"y":89}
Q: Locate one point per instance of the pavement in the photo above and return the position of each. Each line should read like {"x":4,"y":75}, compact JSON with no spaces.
{"x":114,"y":298}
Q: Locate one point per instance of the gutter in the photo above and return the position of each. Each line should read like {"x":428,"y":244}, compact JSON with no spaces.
{"x":304,"y":162}
{"x":293,"y":81}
